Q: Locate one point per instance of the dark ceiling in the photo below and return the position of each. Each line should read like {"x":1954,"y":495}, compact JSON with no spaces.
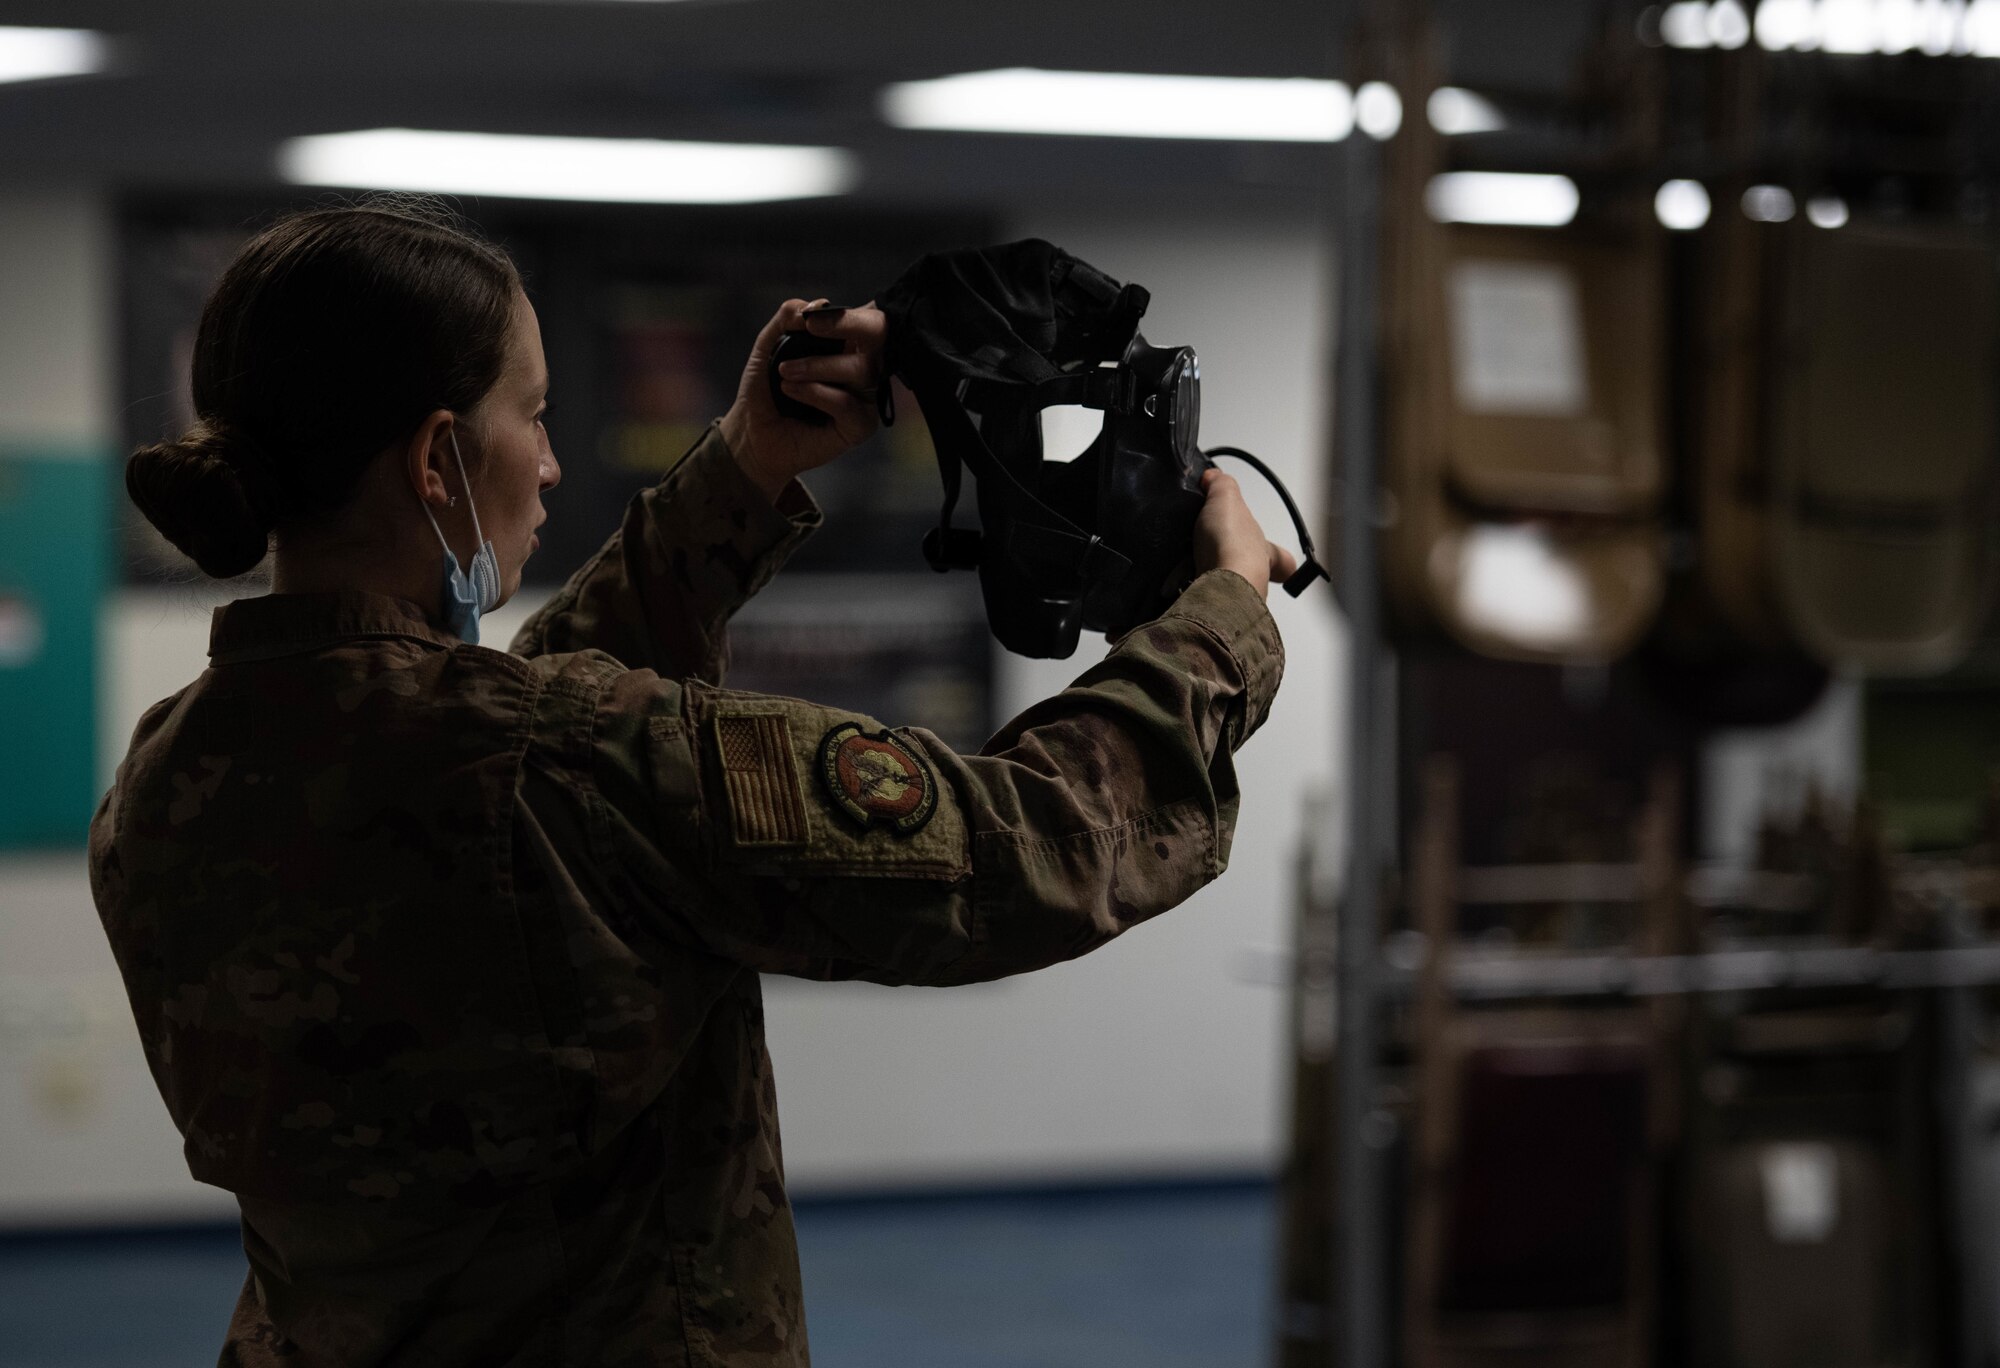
{"x":206,"y":89}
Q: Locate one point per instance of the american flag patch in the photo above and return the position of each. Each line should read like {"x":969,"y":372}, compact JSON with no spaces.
{"x":766,"y":806}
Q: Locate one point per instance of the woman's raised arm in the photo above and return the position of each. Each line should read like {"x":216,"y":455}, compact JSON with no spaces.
{"x":658,"y":595}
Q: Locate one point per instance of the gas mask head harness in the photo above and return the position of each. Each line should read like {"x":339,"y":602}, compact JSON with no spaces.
{"x":988,"y":338}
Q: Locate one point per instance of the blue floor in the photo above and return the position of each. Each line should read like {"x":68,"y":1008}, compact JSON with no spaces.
{"x":1169,"y":1278}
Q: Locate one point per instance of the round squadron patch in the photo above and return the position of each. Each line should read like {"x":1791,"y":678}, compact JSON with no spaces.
{"x":874,"y":778}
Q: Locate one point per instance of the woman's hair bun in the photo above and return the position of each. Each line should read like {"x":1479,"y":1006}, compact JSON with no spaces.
{"x":211,"y":494}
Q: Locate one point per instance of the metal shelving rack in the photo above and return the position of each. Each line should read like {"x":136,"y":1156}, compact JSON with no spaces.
{"x":1359,"y":1294}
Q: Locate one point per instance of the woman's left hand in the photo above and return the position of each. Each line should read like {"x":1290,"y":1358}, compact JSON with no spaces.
{"x":773,"y":449}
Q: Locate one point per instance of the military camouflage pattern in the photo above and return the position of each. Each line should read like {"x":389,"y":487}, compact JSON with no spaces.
{"x":446,"y":959}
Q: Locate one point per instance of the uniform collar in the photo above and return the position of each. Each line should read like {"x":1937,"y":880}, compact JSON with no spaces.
{"x":286,"y":624}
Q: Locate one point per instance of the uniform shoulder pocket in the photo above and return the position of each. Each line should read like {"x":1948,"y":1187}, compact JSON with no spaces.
{"x":674,"y":764}
{"x":793,"y":787}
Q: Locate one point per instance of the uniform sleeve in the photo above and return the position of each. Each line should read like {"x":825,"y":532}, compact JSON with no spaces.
{"x":659,"y":594}
{"x":804,"y":840}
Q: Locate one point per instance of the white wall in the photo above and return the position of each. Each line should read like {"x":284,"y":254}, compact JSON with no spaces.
{"x":82,"y":1133}
{"x":1753,"y":773}
{"x":57,"y":355}
{"x":1159,"y":1054}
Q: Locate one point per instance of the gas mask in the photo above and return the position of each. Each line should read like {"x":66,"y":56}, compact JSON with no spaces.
{"x":988,"y":338}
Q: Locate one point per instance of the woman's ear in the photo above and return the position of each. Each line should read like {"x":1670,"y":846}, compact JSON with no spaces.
{"x":427,"y":456}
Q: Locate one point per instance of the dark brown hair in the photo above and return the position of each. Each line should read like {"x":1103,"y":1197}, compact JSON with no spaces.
{"x":333,"y":333}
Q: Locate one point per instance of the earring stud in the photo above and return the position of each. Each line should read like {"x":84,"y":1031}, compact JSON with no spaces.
{"x":452,"y":502}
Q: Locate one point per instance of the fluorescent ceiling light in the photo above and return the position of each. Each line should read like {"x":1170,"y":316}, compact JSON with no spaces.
{"x":1728,"y":24}
{"x":1786,"y":24}
{"x":1943,"y":27}
{"x":1682,"y":205}
{"x":1378,"y":109}
{"x":1982,"y":29}
{"x":1501,"y":197}
{"x":39,"y":54}
{"x":1453,"y":111}
{"x":1769,"y":204}
{"x":1685,"y":25}
{"x":615,"y":170}
{"x":1900,"y":25}
{"x":1936,"y":28}
{"x":1847,"y":26}
{"x":1125,"y":105}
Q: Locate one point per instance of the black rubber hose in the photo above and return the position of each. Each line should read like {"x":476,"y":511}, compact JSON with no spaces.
{"x":1309,"y":567}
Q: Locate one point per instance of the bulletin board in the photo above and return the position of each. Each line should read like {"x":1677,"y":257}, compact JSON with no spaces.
{"x":51,"y":578}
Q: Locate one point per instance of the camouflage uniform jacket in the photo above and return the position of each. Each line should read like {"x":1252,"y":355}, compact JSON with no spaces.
{"x":445,"y":959}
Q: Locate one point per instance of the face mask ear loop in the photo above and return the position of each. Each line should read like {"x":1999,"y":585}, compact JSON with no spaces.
{"x":440,"y":533}
{"x":478,"y":537}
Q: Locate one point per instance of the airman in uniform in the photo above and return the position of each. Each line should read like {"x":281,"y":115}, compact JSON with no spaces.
{"x":446,"y":959}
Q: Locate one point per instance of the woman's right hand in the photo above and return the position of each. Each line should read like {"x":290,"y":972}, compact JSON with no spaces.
{"x":1227,"y":536}
{"x":773,"y":449}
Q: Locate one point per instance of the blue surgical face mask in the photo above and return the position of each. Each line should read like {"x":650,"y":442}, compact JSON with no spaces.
{"x":464,"y":596}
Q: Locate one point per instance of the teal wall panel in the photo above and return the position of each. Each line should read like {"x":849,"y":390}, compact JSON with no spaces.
{"x":55,"y":555}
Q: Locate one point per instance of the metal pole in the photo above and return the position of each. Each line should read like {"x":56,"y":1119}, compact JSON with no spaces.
{"x":1963,"y":1181}
{"x":1358,"y":1302}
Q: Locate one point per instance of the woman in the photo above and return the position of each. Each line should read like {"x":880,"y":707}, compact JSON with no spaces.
{"x":445,"y":958}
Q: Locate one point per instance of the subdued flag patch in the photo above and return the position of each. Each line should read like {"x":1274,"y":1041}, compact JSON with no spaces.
{"x":761,"y":779}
